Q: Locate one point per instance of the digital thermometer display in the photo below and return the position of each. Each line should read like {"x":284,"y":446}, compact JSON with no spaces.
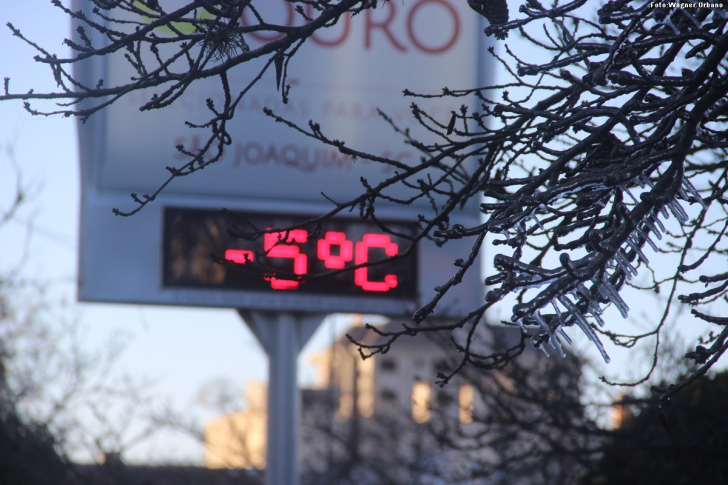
{"x":330,"y":259}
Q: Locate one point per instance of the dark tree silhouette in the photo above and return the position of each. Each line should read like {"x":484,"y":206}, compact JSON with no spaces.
{"x":686,"y":443}
{"x":27,"y":449}
{"x":602,"y":148}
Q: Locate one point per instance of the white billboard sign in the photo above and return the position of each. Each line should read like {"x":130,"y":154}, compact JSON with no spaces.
{"x":340,"y":79}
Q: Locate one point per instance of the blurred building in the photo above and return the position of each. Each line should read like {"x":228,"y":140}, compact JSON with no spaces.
{"x":352,"y":403}
{"x":237,"y":440}
{"x":388,"y":383}
{"x":384,"y":420}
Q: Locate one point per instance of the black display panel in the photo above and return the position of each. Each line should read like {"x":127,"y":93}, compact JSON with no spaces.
{"x":200,"y":252}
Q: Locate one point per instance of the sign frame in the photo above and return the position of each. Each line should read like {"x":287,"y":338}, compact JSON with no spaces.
{"x":121,"y":257}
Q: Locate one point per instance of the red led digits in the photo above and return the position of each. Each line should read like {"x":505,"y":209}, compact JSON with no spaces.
{"x":361,"y":275}
{"x":273,"y":245}
{"x":338,"y":261}
{"x":277,"y":245}
{"x":240,"y":256}
{"x":346,"y":250}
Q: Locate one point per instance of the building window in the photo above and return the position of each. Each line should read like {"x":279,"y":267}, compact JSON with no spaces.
{"x":388,"y":396}
{"x":466,"y":398}
{"x":388,"y":365}
{"x":346,"y":407}
{"x":444,"y":398}
{"x":421,"y":393}
{"x":440,"y":366}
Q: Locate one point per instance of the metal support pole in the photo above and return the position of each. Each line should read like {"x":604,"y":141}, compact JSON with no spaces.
{"x":282,"y":335}
{"x":283,"y":404}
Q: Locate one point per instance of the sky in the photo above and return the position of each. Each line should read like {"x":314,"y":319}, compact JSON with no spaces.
{"x":182,"y":350}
